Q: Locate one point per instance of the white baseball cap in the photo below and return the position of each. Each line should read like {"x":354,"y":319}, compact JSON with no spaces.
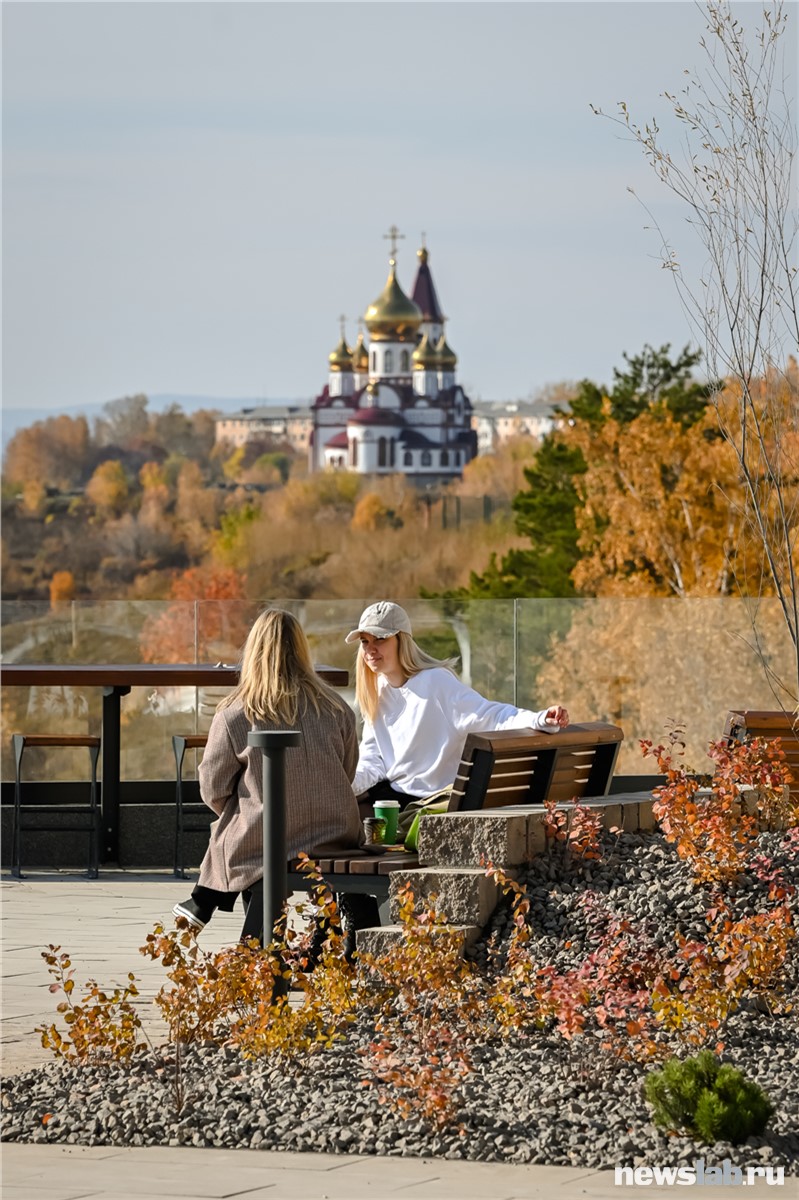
{"x":382,"y":620}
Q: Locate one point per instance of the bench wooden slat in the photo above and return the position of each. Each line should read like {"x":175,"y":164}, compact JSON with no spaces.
{"x":396,"y":862}
{"x":585,"y":734}
{"x":347,"y":865}
{"x":365,"y":866}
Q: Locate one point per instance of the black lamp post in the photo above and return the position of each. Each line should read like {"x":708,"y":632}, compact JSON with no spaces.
{"x":273,"y":746}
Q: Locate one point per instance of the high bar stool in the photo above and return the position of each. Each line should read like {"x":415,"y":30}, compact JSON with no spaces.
{"x":85,"y":818}
{"x":201,"y":815}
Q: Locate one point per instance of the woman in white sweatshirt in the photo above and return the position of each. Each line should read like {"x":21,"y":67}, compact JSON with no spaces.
{"x":417,"y":712}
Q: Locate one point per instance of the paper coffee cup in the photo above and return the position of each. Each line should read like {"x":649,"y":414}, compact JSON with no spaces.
{"x":388,"y":810}
{"x":375,"y":831}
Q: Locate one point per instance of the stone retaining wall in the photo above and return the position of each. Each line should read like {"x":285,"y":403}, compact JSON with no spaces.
{"x":454,"y":849}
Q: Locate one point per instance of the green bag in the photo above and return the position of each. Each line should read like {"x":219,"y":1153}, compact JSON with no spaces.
{"x":410,"y":816}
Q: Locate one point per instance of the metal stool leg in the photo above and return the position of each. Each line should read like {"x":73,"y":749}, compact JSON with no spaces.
{"x":179,"y":747}
{"x":94,"y":832}
{"x":18,"y":742}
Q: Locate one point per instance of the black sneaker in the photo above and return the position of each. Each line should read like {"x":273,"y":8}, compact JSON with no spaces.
{"x":197,"y":917}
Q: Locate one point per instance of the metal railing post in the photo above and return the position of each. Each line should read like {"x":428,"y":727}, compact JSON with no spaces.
{"x":273,"y":746}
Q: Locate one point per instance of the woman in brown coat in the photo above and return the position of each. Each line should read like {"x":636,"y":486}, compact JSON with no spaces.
{"x":278,"y":689}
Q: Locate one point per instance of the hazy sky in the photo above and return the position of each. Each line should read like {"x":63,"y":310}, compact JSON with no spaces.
{"x":193,"y":192}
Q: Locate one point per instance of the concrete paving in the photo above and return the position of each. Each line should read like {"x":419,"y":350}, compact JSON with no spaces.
{"x":102,"y":923}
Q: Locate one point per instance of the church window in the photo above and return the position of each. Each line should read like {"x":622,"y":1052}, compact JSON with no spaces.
{"x":457,"y":458}
{"x":393,"y":452}
{"x":405,"y":361}
{"x":407,"y":459}
{"x":374,"y":360}
{"x":381,"y":452}
{"x":445,"y":458}
{"x":427,"y":458}
{"x":354,"y":452}
{"x":388,"y":361}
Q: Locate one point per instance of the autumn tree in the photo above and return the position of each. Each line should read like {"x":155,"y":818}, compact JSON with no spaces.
{"x":203,"y":617}
{"x":108,"y":488}
{"x":62,"y":588}
{"x":56,"y":450}
{"x":500,"y":474}
{"x":637,"y":665}
{"x":657,"y":512}
{"x":123,"y":422}
{"x":734,"y":177}
{"x":547,"y":509}
{"x":185,"y":435}
{"x":155,"y":495}
{"x":372,"y":513}
{"x":197,"y":507}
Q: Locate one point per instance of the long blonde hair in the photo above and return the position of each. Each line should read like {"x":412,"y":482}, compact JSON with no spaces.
{"x":277,"y":682}
{"x":412,"y":659}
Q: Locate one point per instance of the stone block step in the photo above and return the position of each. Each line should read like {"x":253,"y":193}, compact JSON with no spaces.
{"x":464,"y":895}
{"x":511,"y":836}
{"x":380,"y":940}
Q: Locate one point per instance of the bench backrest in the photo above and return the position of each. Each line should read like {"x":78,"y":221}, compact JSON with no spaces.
{"x":744,"y":724}
{"x":523,"y":767}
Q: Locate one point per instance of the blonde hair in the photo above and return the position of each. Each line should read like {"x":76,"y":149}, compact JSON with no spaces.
{"x":278,"y":682}
{"x":412,"y":659}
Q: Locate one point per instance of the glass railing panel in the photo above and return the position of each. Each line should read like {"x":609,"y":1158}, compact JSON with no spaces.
{"x":636,"y":662}
{"x":644,"y":663}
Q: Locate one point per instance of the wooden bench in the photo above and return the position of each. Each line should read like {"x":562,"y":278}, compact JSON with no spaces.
{"x":744,"y":724}
{"x":504,"y":768}
{"x":513,"y":767}
{"x":355,"y":871}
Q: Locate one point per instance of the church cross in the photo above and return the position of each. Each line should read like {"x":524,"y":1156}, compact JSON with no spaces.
{"x":342,"y":321}
{"x":392,"y":236}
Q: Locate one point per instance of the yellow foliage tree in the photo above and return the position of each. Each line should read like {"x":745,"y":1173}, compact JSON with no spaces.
{"x":660,"y":505}
{"x":62,"y":588}
{"x":370,"y":514}
{"x":108,"y":487}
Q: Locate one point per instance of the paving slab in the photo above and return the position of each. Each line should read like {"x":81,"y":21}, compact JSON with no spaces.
{"x":162,"y":1173}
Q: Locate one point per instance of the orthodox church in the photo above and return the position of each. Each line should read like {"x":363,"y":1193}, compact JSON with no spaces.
{"x":392,"y":404}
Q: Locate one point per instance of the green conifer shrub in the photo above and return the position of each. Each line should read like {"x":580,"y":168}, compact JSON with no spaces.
{"x":708,"y":1099}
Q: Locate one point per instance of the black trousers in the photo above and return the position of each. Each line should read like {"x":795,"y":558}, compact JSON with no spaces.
{"x":357,"y":911}
{"x":210,"y":898}
{"x":384,"y":790}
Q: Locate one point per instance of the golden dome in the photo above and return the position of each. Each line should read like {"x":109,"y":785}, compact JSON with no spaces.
{"x":445,"y":355}
{"x":393,"y":317}
{"x":360,"y":356}
{"x":424,"y":356}
{"x":341,"y":357}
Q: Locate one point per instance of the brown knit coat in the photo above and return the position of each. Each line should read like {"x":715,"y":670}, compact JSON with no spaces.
{"x":321,"y":809}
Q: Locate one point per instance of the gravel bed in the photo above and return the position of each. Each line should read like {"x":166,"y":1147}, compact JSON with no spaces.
{"x":531,"y":1099}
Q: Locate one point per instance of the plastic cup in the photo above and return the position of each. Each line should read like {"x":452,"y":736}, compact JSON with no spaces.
{"x":388,"y":810}
{"x":375,"y":830}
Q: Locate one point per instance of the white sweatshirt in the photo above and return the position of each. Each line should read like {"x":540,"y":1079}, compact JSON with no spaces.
{"x":417,"y":737}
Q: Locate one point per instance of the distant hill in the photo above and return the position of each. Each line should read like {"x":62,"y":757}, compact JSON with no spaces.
{"x":20,"y":418}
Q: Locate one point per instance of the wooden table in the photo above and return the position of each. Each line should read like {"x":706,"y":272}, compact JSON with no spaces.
{"x":116,"y":680}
